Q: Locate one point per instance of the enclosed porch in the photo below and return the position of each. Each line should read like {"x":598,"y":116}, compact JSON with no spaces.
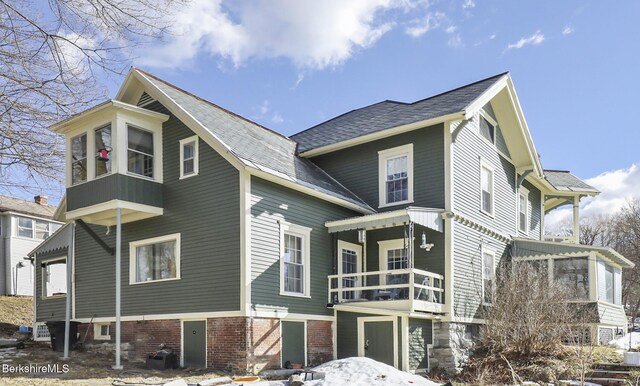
{"x":389,"y":261}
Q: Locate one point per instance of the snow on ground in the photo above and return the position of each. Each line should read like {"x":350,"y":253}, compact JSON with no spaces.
{"x":623,"y":342}
{"x":364,"y":372}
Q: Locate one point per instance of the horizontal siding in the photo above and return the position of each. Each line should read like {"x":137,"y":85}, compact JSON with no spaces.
{"x":432,"y":261}
{"x":114,"y":187}
{"x":469,"y":149}
{"x":205,"y":210}
{"x":467,"y":268}
{"x":612,"y":315}
{"x":357,"y":167}
{"x":53,"y":308}
{"x":269,"y":204}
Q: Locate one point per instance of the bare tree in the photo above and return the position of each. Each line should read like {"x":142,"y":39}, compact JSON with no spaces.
{"x":54,"y":59}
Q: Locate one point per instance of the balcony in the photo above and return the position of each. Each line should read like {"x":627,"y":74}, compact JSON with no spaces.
{"x":399,"y":290}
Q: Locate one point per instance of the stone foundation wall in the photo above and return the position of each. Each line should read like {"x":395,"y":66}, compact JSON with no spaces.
{"x":451,"y":346}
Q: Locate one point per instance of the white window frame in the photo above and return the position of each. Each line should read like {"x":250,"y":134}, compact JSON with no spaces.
{"x":97,"y":331}
{"x":305,"y":234}
{"x":154,"y":162}
{"x":487,"y":166}
{"x":95,"y":152}
{"x":482,"y":114}
{"x":133,"y":274}
{"x":43,"y":273}
{"x":484,"y":250}
{"x":383,"y":156}
{"x":34,"y":222}
{"x":523,"y":193}
{"x":183,"y":142}
{"x":383,"y":247}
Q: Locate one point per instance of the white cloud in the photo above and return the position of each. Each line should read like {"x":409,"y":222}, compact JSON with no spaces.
{"x":277,"y":118}
{"x":617,"y":187}
{"x":451,"y":29}
{"x":314,"y":35}
{"x":567,"y":30}
{"x":535,"y":39}
{"x":468,"y":4}
{"x":420,"y":27}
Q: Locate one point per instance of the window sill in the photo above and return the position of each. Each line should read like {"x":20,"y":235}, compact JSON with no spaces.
{"x":153,"y":281}
{"x":107,"y":337}
{"x":54,"y":297}
{"x":140,"y":176}
{"x":294,"y":295}
{"x":188,"y":176}
{"x":395,"y":204}
{"x":487,"y":213}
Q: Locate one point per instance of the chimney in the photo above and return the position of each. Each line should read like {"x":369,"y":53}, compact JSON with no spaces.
{"x":42,"y":200}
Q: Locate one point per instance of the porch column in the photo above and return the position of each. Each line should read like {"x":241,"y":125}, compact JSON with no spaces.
{"x":576,"y":219}
{"x":118,"y":366}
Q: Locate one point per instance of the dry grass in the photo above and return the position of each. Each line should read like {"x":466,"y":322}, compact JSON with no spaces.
{"x":15,"y":311}
{"x":87,"y":369}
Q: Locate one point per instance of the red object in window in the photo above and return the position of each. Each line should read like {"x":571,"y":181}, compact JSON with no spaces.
{"x":103,"y":155}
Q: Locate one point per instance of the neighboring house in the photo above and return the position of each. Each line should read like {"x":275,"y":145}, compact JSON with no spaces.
{"x":23,"y":225}
{"x":377,"y":233}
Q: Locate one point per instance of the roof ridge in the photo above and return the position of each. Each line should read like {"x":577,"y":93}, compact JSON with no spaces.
{"x":345,"y":113}
{"x":460,"y":87}
{"x":213,"y":104}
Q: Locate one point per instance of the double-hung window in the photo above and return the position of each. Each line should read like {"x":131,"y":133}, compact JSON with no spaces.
{"x":139,"y":151}
{"x":155,"y":259}
{"x":488,"y":275}
{"x":294,"y":260}
{"x":486,"y":189}
{"x":189,"y":157}
{"x":79,"y":159}
{"x":395,"y":169}
{"x":523,"y":210}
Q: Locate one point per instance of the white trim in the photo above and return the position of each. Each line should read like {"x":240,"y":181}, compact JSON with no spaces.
{"x":349,"y":307}
{"x":358,"y":250}
{"x":404,"y":327}
{"x":305,"y":235}
{"x":43,"y":278}
{"x":361,"y":338}
{"x":383,"y":157}
{"x":381,"y":134}
{"x":194,"y":139}
{"x":186,"y":315}
{"x":449,"y":204}
{"x":482,"y":114}
{"x":136,"y":212}
{"x":97,"y":331}
{"x":206,"y":340}
{"x":485,"y":165}
{"x":306,"y":341}
{"x":485,"y":250}
{"x":155,"y":240}
{"x":245,"y":242}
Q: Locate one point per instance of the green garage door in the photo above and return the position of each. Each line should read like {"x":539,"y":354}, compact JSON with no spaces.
{"x":293,"y":342}
{"x":378,"y":341}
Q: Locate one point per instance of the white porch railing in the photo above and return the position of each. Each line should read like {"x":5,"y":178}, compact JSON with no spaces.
{"x":400,"y":289}
{"x":560,"y":239}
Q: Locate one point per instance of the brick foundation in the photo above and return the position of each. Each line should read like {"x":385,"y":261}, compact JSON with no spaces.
{"x":238,"y":345}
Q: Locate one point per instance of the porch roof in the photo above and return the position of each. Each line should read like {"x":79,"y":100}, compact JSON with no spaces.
{"x":427,"y":217}
{"x":58,"y":241}
{"x":537,"y":248}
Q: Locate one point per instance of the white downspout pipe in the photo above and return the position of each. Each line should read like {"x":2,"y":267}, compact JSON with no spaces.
{"x":118,"y":366}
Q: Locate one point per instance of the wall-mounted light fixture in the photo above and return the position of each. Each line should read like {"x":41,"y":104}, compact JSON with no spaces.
{"x":362,"y":236}
{"x":424,"y":245}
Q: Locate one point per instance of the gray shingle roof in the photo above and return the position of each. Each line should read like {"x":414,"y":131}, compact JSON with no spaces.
{"x":565,"y":181}
{"x":388,"y":114}
{"x":256,"y":145}
{"x":12,"y":204}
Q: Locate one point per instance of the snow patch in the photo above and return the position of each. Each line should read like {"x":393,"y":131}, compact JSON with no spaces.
{"x":627,"y":342}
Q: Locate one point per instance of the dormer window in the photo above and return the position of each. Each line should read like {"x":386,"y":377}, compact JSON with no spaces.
{"x":79,"y":159}
{"x":103,"y":150}
{"x":139,"y":151}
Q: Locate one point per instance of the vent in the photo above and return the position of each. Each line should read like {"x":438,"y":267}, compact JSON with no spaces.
{"x":145,"y":99}
{"x":41,"y":332}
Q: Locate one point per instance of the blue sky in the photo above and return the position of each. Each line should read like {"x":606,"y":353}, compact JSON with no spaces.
{"x":292,"y":64}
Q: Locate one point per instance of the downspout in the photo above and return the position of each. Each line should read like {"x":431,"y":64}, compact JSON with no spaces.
{"x":67,"y":319}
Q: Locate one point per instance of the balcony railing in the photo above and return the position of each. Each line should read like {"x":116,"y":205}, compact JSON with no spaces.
{"x":400,"y":289}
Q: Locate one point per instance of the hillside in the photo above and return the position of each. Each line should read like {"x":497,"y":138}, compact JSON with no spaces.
{"x":14,"y":312}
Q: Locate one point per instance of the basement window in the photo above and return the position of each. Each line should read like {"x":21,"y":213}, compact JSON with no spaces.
{"x":102,"y":331}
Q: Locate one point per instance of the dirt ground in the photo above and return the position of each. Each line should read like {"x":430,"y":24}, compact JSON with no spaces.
{"x":84,"y":368}
{"x":15,"y":311}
